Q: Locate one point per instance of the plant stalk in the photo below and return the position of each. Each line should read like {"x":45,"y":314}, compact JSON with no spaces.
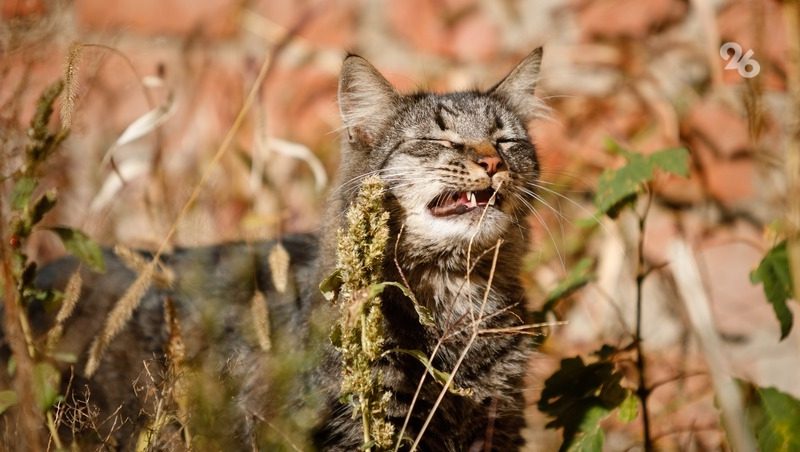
{"x":642,"y":391}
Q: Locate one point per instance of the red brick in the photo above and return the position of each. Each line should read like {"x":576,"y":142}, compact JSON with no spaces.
{"x":419,"y":23}
{"x":21,"y":8}
{"x":330,"y":24}
{"x":725,"y":130}
{"x":627,"y":18}
{"x":475,"y":38}
{"x":216,"y":18}
{"x":729,"y":181}
{"x":301,"y":103}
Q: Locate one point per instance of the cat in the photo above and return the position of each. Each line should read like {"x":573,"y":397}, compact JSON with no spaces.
{"x":459,"y":171}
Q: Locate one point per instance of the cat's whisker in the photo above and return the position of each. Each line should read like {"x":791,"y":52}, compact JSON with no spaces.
{"x":547,"y":229}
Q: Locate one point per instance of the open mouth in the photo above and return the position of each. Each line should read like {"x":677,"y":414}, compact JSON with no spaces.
{"x":461,"y":202}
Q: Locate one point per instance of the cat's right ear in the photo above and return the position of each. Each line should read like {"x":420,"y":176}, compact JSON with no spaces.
{"x":366,"y":99}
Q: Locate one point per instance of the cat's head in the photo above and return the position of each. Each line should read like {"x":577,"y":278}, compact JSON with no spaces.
{"x":458,"y":166}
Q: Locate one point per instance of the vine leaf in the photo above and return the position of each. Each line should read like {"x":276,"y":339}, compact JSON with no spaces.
{"x":779,"y":426}
{"x":579,"y":276}
{"x":82,"y":247}
{"x":578,"y":396}
{"x":629,"y":408}
{"x":618,"y":188}
{"x":774,"y":273}
{"x":46,"y":380}
{"x":592,"y":437}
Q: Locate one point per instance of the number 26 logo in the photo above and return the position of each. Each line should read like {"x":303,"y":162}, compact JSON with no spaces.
{"x":745,"y":64}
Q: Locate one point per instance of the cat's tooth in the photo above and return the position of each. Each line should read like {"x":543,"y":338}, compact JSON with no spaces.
{"x":472,"y":201}
{"x":491,"y":200}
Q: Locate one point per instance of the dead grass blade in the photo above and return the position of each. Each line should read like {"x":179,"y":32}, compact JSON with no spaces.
{"x":118,"y":317}
{"x":260,"y":313}
{"x":71,"y":295}
{"x":475,"y":333}
{"x":278,"y":260}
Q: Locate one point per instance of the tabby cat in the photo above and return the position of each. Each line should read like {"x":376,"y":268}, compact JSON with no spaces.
{"x":459,"y":171}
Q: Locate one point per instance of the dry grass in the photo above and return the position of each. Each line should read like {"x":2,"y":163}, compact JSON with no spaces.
{"x":190,"y":180}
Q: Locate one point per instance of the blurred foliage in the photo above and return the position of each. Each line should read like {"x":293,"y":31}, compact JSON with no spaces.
{"x":619,"y":187}
{"x":776,"y":417}
{"x":775,"y":274}
{"x":578,"y":396}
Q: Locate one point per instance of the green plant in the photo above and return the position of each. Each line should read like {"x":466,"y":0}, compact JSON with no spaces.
{"x":36,"y":389}
{"x":359,"y":333}
{"x":579,"y":408}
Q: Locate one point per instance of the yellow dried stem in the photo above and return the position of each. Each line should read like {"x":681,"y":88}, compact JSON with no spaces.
{"x":71,"y":84}
{"x":118,"y":317}
{"x":279,"y":260}
{"x":176,"y":354}
{"x":71,"y":295}
{"x":260,"y":313}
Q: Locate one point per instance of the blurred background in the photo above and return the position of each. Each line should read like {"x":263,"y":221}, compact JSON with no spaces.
{"x":153,"y":86}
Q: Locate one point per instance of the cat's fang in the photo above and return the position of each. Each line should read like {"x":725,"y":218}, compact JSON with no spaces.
{"x":472,"y":201}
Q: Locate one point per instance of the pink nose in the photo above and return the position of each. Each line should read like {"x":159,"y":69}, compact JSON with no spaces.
{"x":491,"y":163}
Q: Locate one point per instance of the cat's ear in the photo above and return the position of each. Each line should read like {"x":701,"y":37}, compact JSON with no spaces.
{"x":366,"y":99}
{"x":517,"y":88}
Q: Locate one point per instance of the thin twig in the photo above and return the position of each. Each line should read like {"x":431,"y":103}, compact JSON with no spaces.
{"x":642,"y":391}
{"x":463,"y":355}
{"x":441,"y":340}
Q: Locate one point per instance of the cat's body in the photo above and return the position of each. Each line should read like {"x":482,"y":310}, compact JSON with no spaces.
{"x":459,"y":171}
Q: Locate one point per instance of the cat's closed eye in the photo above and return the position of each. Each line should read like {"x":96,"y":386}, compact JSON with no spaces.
{"x":505,"y":144}
{"x":445,"y":143}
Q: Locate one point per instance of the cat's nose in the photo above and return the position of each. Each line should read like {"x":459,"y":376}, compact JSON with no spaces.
{"x":491,"y":164}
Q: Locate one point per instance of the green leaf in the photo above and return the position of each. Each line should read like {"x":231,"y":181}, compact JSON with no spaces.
{"x":21,"y":194}
{"x":591,"y":436}
{"x":629,"y":408}
{"x":46,"y":382}
{"x":578,"y":277}
{"x":672,"y":160}
{"x":774,"y":273}
{"x":8,"y":398}
{"x":336,"y":336}
{"x":441,"y":376}
{"x":82,"y":247}
{"x":425,"y":317}
{"x":43,"y":205}
{"x":780,"y":426}
{"x":330,"y":286}
{"x":577,"y":395}
{"x":618,"y":188}
{"x":615,"y":148}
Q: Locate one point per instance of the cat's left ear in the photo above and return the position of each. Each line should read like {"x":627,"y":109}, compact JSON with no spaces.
{"x":517,"y":88}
